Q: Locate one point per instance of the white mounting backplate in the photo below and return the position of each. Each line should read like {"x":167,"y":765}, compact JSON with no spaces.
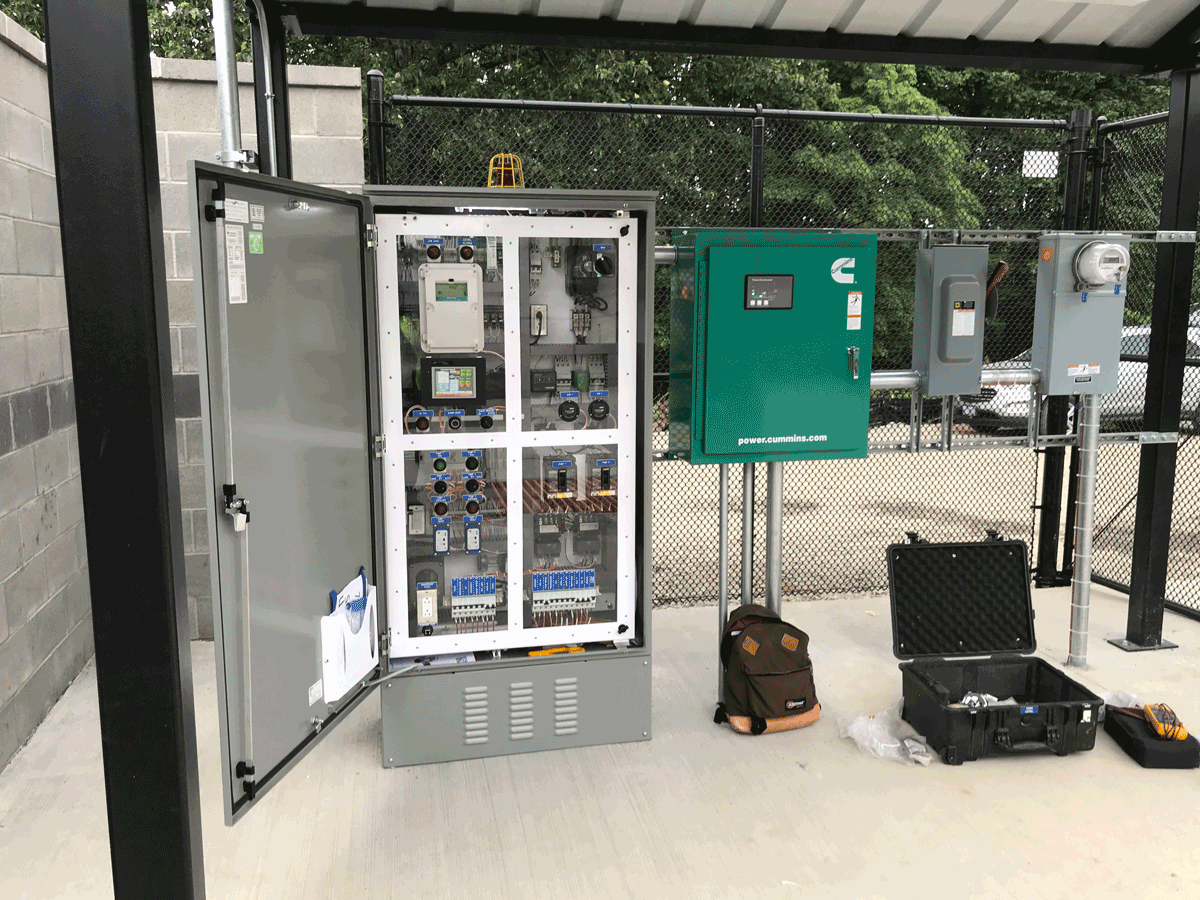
{"x":451,"y":307}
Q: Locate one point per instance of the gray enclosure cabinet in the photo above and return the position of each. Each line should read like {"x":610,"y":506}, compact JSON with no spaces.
{"x":428,"y":450}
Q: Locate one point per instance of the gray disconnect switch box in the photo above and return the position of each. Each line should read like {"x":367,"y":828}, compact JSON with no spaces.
{"x":948,"y":318}
{"x":1079,"y":311}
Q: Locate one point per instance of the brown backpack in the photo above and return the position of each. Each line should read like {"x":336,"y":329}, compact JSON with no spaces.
{"x":768,"y":674}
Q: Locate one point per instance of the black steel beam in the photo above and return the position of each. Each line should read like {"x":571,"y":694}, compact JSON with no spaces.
{"x":111,"y":221}
{"x":650,"y":37}
{"x":1164,"y":375}
{"x":268,"y":30}
{"x":1177,"y":48}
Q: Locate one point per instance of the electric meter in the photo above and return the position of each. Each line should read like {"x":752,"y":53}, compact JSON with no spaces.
{"x":1099,"y":263}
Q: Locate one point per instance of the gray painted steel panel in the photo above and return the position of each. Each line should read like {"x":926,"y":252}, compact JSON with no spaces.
{"x":438,"y":716}
{"x":298,"y":389}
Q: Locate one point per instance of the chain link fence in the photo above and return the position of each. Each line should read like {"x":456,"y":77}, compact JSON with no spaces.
{"x":897,"y":178}
{"x":1133,"y":158}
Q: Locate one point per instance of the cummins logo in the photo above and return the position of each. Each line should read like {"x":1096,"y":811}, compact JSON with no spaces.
{"x":841,"y":270}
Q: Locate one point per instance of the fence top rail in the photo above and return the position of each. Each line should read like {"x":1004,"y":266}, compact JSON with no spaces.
{"x":1135,"y":122}
{"x":734,"y":111}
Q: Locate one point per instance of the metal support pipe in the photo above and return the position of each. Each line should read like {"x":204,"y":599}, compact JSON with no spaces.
{"x":666,"y":255}
{"x":947,"y":422}
{"x":747,"y":532}
{"x":906,"y":379}
{"x":722,"y":574}
{"x":268,"y":161}
{"x":228,"y":112}
{"x":774,"y":590}
{"x":1085,"y":507}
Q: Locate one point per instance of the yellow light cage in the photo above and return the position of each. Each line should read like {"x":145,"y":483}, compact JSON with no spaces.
{"x":505,"y":171}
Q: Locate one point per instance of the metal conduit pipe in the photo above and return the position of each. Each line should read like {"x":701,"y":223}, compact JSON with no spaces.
{"x":268,"y":86}
{"x":902,"y":379}
{"x":775,"y":537}
{"x":723,"y":573}
{"x":227,"y":85}
{"x":1085,"y":506}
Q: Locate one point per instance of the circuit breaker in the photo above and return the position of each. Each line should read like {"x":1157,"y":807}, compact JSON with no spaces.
{"x":1079,"y":312}
{"x":771,"y":358}
{"x":948,"y":318}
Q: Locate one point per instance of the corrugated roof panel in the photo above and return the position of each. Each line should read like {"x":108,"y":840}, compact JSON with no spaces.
{"x":1151,"y":22}
{"x":733,"y":13}
{"x":804,"y":15}
{"x":881,"y":16}
{"x":1029,"y":20}
{"x":572,"y":9}
{"x":651,"y":11}
{"x":1096,"y":22}
{"x":505,"y":7}
{"x":952,"y":19}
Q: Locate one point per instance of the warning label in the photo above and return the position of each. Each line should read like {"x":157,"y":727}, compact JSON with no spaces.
{"x":1083,"y":369}
{"x":854,"y":311}
{"x":963,"y":322}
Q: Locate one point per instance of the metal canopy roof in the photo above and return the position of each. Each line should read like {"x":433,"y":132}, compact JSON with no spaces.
{"x":1102,"y":35}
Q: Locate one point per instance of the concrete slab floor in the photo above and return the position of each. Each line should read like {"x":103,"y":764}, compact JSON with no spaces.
{"x":697,"y":812}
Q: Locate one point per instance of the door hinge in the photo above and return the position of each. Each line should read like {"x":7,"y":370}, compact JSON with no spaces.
{"x":238,"y":508}
{"x":380,"y":445}
{"x":243,"y":770}
{"x":369,"y":236}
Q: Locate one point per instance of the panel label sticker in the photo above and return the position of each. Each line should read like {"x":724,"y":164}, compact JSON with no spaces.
{"x":475,"y":453}
{"x":237,"y":211}
{"x":564,"y":580}
{"x":466,"y":242}
{"x":425,"y":413}
{"x":602,"y":248}
{"x":428,"y":242}
{"x":315,"y":693}
{"x":1083,"y":369}
{"x":963,"y":322}
{"x":255,"y":239}
{"x":436,"y":454}
{"x":569,"y":395}
{"x":597,"y":393}
{"x":473,"y":586}
{"x":561,"y":464}
{"x":1028,"y":710}
{"x":258,"y":213}
{"x":606,"y":462}
{"x":1048,"y":254}
{"x":854,"y":302}
{"x":235,"y":263}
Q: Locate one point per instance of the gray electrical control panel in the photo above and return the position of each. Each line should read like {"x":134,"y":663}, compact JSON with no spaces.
{"x":1080,"y":308}
{"x":948,"y":318}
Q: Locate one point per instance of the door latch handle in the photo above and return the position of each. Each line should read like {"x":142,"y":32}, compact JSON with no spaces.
{"x":852,"y":360}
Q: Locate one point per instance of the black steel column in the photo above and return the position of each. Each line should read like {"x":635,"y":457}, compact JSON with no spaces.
{"x":270,"y":28}
{"x":758,"y":140}
{"x":1079,"y":129}
{"x":1164,"y":376}
{"x":117,"y":304}
{"x":377,"y":151}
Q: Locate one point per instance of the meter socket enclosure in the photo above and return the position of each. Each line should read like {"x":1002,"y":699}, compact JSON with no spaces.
{"x":948,"y":318}
{"x":1079,"y":312}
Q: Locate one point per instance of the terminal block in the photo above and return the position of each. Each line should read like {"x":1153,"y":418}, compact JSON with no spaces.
{"x":473,"y":602}
{"x":563,"y":597}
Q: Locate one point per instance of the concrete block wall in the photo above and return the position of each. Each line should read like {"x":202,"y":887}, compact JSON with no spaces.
{"x":45,"y":604}
{"x":327,"y":149}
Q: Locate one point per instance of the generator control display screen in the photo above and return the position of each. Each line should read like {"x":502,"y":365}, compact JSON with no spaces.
{"x":450,"y":290}
{"x":453,"y":382}
{"x":768,"y":292}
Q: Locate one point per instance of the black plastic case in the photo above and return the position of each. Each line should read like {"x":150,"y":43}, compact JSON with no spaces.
{"x":952,"y":601}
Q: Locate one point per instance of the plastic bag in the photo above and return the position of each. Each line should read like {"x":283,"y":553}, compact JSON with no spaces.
{"x":887,"y":736}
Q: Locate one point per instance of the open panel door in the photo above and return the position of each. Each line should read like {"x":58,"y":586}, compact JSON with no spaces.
{"x":285,"y":305}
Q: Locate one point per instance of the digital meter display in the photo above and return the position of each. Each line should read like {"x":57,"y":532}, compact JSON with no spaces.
{"x":453,"y":382}
{"x":450,"y":290}
{"x":768,"y":292}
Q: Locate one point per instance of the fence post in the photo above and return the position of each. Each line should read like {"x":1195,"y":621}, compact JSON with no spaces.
{"x":1079,"y":130}
{"x":1164,"y":374}
{"x":1098,"y":160}
{"x":377,"y":152}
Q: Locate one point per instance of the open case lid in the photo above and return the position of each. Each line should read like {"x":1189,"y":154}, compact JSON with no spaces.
{"x":965,"y":599}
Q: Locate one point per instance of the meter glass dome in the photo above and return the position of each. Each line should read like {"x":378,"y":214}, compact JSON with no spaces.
{"x":1101,"y":262}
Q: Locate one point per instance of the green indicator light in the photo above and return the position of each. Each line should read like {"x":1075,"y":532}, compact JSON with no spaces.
{"x":439,"y":465}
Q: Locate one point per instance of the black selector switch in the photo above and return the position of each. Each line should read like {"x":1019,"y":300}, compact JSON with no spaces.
{"x":598,"y":409}
{"x":568,"y":410}
{"x":440,"y":487}
{"x":486,"y":422}
{"x":472,"y":463}
{"x":472,"y":485}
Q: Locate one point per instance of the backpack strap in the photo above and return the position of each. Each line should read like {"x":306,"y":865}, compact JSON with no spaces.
{"x":721,"y":717}
{"x":757,"y":725}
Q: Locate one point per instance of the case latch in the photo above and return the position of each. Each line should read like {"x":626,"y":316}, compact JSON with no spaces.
{"x":236,"y":507}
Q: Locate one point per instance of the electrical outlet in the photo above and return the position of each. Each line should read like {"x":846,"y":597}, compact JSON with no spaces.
{"x":539,"y":319}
